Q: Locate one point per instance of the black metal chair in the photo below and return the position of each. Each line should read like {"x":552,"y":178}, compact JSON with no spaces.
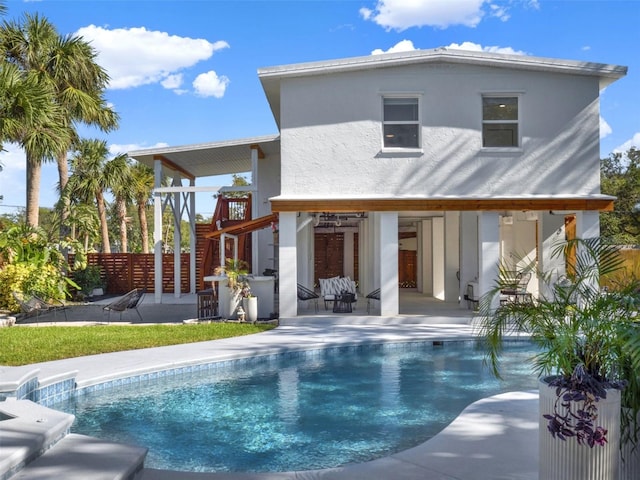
{"x":304,"y":294}
{"x":375,"y":295}
{"x":34,"y":305}
{"x":129,"y":301}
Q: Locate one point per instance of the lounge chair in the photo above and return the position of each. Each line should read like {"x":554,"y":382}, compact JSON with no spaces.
{"x":34,"y":305}
{"x":129,"y":301}
{"x":332,"y":288}
{"x":305,"y":294}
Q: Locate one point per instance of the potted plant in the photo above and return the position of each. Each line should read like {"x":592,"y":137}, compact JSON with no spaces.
{"x":250,"y":303}
{"x":588,"y":343}
{"x":235,"y":272}
{"x":89,"y":280}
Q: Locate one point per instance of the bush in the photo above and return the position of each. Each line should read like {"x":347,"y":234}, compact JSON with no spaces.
{"x":44,"y":281}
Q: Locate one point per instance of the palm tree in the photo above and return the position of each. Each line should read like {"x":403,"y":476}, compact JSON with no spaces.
{"x":123,"y":193}
{"x":143,"y":183}
{"x":65,"y":68}
{"x":91,"y":178}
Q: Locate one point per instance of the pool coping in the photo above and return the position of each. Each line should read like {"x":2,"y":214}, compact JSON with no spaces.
{"x":97,"y":369}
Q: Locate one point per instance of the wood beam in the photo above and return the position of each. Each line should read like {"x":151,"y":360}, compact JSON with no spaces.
{"x":438,"y":204}
{"x":172,"y":166}
{"x":256,"y":146}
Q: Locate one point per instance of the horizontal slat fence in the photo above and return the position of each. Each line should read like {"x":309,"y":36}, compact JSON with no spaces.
{"x":126,"y":271}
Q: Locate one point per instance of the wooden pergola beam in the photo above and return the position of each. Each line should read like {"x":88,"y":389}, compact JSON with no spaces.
{"x":439,"y":204}
{"x":175,"y":167}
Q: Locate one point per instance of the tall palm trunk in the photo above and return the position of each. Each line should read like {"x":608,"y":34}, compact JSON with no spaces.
{"x":63,"y":175}
{"x":144,"y":226}
{"x":104,"y":227}
{"x":34,"y":172}
{"x":122,"y":220}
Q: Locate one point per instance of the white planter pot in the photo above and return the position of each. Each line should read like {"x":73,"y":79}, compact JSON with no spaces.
{"x":250,"y":305}
{"x":630,"y":460}
{"x":97,"y":292}
{"x":568,"y":460}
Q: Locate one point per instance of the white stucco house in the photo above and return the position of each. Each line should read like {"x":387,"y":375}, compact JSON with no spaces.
{"x":467,"y":159}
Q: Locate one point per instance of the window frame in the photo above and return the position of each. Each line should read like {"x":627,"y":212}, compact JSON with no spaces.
{"x":517,"y":122}
{"x":417,"y":96}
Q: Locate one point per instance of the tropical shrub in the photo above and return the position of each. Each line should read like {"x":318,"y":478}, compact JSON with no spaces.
{"x":44,"y":281}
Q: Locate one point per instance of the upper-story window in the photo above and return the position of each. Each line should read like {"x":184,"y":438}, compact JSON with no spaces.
{"x":401,"y":122}
{"x":500,"y":122}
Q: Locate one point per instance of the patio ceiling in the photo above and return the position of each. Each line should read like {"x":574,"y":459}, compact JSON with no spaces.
{"x":209,"y":159}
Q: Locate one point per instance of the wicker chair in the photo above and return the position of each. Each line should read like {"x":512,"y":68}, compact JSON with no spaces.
{"x":129,"y":301}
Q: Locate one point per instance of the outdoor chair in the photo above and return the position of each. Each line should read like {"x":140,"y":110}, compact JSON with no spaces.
{"x":129,"y":301}
{"x":34,"y":305}
{"x":515,"y":290}
{"x":332,"y":288}
{"x":305,"y":294}
{"x":375,"y":295}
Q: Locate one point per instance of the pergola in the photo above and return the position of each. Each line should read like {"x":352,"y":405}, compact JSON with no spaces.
{"x":184,"y":164}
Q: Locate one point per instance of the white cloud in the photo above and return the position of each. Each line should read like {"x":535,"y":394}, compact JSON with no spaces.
{"x":605,"y":129}
{"x":172,"y":82}
{"x":402,"y":14}
{"x":475,"y":47}
{"x":137,"y":56}
{"x":402,"y":46}
{"x":633,"y":142}
{"x":407,"y":46}
{"x":210,"y":84}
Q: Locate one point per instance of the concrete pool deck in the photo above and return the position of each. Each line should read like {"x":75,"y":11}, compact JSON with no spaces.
{"x":495,"y":438}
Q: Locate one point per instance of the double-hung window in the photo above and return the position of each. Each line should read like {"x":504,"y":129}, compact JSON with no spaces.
{"x":401,"y":122}
{"x":500,"y":122}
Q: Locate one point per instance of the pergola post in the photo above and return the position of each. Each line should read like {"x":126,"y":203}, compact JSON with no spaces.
{"x":157,"y":230}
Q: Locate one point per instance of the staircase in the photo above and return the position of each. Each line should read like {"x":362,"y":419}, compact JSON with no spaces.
{"x":35,"y":445}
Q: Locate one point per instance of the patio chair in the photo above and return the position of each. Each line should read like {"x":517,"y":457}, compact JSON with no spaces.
{"x":34,"y":305}
{"x":375,"y":295}
{"x":516,"y":291}
{"x":332,"y":288}
{"x":305,"y":294}
{"x":129,"y":301}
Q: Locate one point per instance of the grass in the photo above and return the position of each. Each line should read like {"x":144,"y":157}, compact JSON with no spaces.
{"x":23,"y":346}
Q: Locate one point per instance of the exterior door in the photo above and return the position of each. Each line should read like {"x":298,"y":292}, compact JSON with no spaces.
{"x":407,"y":268}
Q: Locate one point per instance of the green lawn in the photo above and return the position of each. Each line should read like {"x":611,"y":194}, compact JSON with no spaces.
{"x":22,"y":346}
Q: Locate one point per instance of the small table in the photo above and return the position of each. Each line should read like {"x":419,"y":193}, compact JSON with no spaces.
{"x":342,"y":303}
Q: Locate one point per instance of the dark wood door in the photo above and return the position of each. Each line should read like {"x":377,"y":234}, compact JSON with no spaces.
{"x":329,"y":255}
{"x":407,"y":268}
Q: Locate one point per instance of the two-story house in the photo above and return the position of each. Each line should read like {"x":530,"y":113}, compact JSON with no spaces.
{"x":467,"y":160}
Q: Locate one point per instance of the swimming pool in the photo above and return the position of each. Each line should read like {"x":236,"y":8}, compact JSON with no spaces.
{"x":315,"y":410}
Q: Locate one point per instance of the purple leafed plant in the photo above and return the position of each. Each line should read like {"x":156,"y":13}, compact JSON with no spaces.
{"x":583,"y":391}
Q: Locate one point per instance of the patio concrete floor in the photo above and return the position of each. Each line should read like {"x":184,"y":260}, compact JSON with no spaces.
{"x":495,"y":438}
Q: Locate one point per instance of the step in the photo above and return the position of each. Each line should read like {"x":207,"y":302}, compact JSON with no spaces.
{"x":79,"y":457}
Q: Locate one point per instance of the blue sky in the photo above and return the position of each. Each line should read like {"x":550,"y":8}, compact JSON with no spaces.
{"x":184,"y":71}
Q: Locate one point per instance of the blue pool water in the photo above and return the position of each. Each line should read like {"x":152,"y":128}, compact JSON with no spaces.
{"x":335,"y":407}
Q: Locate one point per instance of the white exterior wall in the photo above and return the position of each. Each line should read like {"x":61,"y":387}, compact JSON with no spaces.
{"x":268,"y":186}
{"x":332,"y":134}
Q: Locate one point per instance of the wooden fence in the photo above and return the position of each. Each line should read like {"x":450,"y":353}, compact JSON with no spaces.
{"x":126,"y":271}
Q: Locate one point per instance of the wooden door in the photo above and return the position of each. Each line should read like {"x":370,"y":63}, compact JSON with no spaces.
{"x":407,"y":268}
{"x":329,"y":255}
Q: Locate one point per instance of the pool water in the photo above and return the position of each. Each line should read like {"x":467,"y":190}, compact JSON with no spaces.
{"x":336,"y":407}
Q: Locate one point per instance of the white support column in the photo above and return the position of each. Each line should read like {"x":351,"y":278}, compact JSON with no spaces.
{"x":157,"y":231}
{"x":488,"y":250}
{"x":388,"y":234}
{"x":426,"y":267}
{"x":468,"y":251}
{"x":437,"y":235}
{"x":551,"y":233}
{"x":255,"y":251}
{"x":288,"y":271}
{"x":452,"y":257}
{"x":192,"y":240}
{"x":587,"y":224}
{"x":177,"y":238}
